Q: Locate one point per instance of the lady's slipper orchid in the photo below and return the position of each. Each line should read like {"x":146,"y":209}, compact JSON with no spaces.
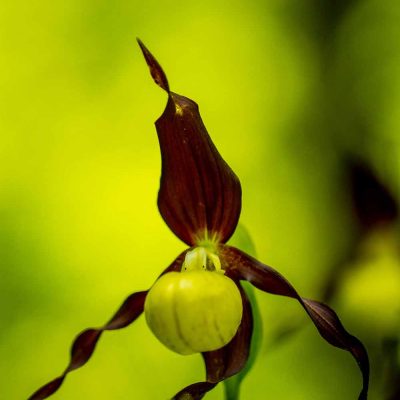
{"x":198,"y":303}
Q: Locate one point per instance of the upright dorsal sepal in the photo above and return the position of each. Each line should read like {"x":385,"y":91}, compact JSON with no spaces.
{"x":155,"y":68}
{"x":199,"y":196}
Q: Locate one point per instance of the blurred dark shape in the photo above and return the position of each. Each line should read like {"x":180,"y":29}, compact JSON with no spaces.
{"x":285,"y":333}
{"x":373,"y":203}
{"x":391,"y":369}
{"x":373,"y":207}
{"x":330,"y":12}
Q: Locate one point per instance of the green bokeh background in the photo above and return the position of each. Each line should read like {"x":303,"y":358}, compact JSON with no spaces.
{"x":285,"y":88}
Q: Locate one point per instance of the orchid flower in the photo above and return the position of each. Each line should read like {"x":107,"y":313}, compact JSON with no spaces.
{"x":198,"y":304}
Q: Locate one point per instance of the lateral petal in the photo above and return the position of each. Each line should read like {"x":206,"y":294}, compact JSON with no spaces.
{"x":240,"y":266}
{"x":85,"y":343}
{"x":195,"y":391}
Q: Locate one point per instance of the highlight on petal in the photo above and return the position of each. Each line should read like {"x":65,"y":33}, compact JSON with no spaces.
{"x":199,"y":196}
{"x":240,"y":266}
{"x":85,"y":343}
{"x":227,"y":361}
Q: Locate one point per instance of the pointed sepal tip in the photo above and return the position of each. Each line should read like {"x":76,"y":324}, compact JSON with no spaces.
{"x":155,"y":68}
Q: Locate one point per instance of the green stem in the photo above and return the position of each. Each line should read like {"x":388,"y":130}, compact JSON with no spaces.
{"x":231,"y":389}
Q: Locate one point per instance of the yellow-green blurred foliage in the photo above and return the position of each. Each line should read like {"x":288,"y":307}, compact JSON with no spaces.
{"x":284,"y":87}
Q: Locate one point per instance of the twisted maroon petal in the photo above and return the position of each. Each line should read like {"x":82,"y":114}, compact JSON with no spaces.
{"x":85,"y":343}
{"x":196,"y":391}
{"x":199,"y":196}
{"x":239,"y":265}
{"x":156,"y":71}
{"x":227,"y":361}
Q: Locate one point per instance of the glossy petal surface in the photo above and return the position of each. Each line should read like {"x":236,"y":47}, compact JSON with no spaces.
{"x":199,"y":196}
{"x":241,"y":266}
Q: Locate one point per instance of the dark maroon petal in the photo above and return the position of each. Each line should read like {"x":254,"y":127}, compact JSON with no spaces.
{"x":239,"y":265}
{"x":85,"y":343}
{"x":199,"y":196}
{"x":155,"y":68}
{"x":48,"y":389}
{"x":196,"y":391}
